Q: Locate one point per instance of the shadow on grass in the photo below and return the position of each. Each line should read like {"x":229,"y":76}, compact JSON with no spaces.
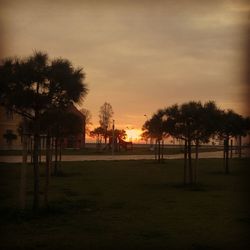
{"x":68,"y":192}
{"x":196,"y":246}
{"x":117,"y":205}
{"x":245,"y":220}
{"x":63,"y":174}
{"x":222,"y":173}
{"x":152,"y":234}
{"x":197,"y":187}
{"x":55,"y":209}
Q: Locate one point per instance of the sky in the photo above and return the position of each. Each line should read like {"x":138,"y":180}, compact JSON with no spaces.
{"x":139,"y":56}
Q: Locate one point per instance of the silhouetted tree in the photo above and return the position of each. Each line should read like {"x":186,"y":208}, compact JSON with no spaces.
{"x":98,"y":133}
{"x":145,"y":136}
{"x":57,"y":124}
{"x":205,"y":126}
{"x":33,"y":85}
{"x":25,"y":131}
{"x":105,"y":118}
{"x":177,"y":128}
{"x":191,"y":122}
{"x":231,"y":125}
{"x":244,"y":130}
{"x":156,"y":128}
{"x":119,"y":134}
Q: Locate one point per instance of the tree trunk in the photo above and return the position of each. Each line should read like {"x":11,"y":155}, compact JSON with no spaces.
{"x":47,"y":170}
{"x":23,"y":173}
{"x":159,"y":151}
{"x":162,"y":150}
{"x":240,"y":146}
{"x":105,"y":136}
{"x":224,"y":150}
{"x":31,"y":150}
{"x":84,"y":133}
{"x":190,"y":168}
{"x":155,"y":149}
{"x":60,"y":154}
{"x":40,"y":151}
{"x":36,"y":164}
{"x":185,"y":162}
{"x":196,"y":160}
{"x":231,"y":149}
{"x":51,"y":152}
{"x":227,"y":156}
{"x":56,"y":156}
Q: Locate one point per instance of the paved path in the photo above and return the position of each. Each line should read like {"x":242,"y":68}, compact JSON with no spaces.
{"x":16,"y":159}
{"x":216,"y":154}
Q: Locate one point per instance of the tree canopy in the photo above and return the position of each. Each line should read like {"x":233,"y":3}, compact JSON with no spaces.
{"x":195,"y":123}
{"x":105,"y":118}
{"x":36,"y":86}
{"x":32,"y":85}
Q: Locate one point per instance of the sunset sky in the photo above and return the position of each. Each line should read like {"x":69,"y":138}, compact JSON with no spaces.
{"x":138,"y":55}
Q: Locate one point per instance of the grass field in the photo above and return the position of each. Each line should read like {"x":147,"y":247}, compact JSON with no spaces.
{"x":130,"y":205}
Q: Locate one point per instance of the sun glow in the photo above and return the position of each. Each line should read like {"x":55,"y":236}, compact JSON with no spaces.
{"x":133,"y":135}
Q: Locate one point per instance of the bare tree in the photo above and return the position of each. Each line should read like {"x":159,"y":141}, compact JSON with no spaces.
{"x":105,"y":118}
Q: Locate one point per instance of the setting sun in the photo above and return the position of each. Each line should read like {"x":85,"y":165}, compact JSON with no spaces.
{"x":133,"y":135}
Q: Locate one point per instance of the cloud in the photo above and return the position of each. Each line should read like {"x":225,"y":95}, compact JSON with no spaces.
{"x":139,"y":55}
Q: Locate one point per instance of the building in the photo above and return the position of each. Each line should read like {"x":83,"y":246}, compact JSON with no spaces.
{"x":76,"y":140}
{"x":10,"y":137}
{"x":9,"y":129}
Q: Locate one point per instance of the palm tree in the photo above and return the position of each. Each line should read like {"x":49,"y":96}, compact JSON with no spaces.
{"x":231,"y":125}
{"x":24,"y":130}
{"x":191,"y":122}
{"x":177,"y":128}
{"x":57,"y":124}
{"x":206,"y":124}
{"x":25,"y":94}
{"x":156,"y":128}
{"x":34,"y":85}
{"x":244,"y":124}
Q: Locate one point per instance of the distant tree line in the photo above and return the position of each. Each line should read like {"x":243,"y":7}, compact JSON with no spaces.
{"x":41,"y":91}
{"x":195,"y":123}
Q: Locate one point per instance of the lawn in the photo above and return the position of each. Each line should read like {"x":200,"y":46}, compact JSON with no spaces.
{"x":130,"y":205}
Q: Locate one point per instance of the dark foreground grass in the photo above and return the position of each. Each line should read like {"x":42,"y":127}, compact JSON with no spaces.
{"x":129,"y":205}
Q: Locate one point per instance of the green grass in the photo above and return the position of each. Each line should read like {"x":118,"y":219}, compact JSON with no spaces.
{"x":129,"y":205}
